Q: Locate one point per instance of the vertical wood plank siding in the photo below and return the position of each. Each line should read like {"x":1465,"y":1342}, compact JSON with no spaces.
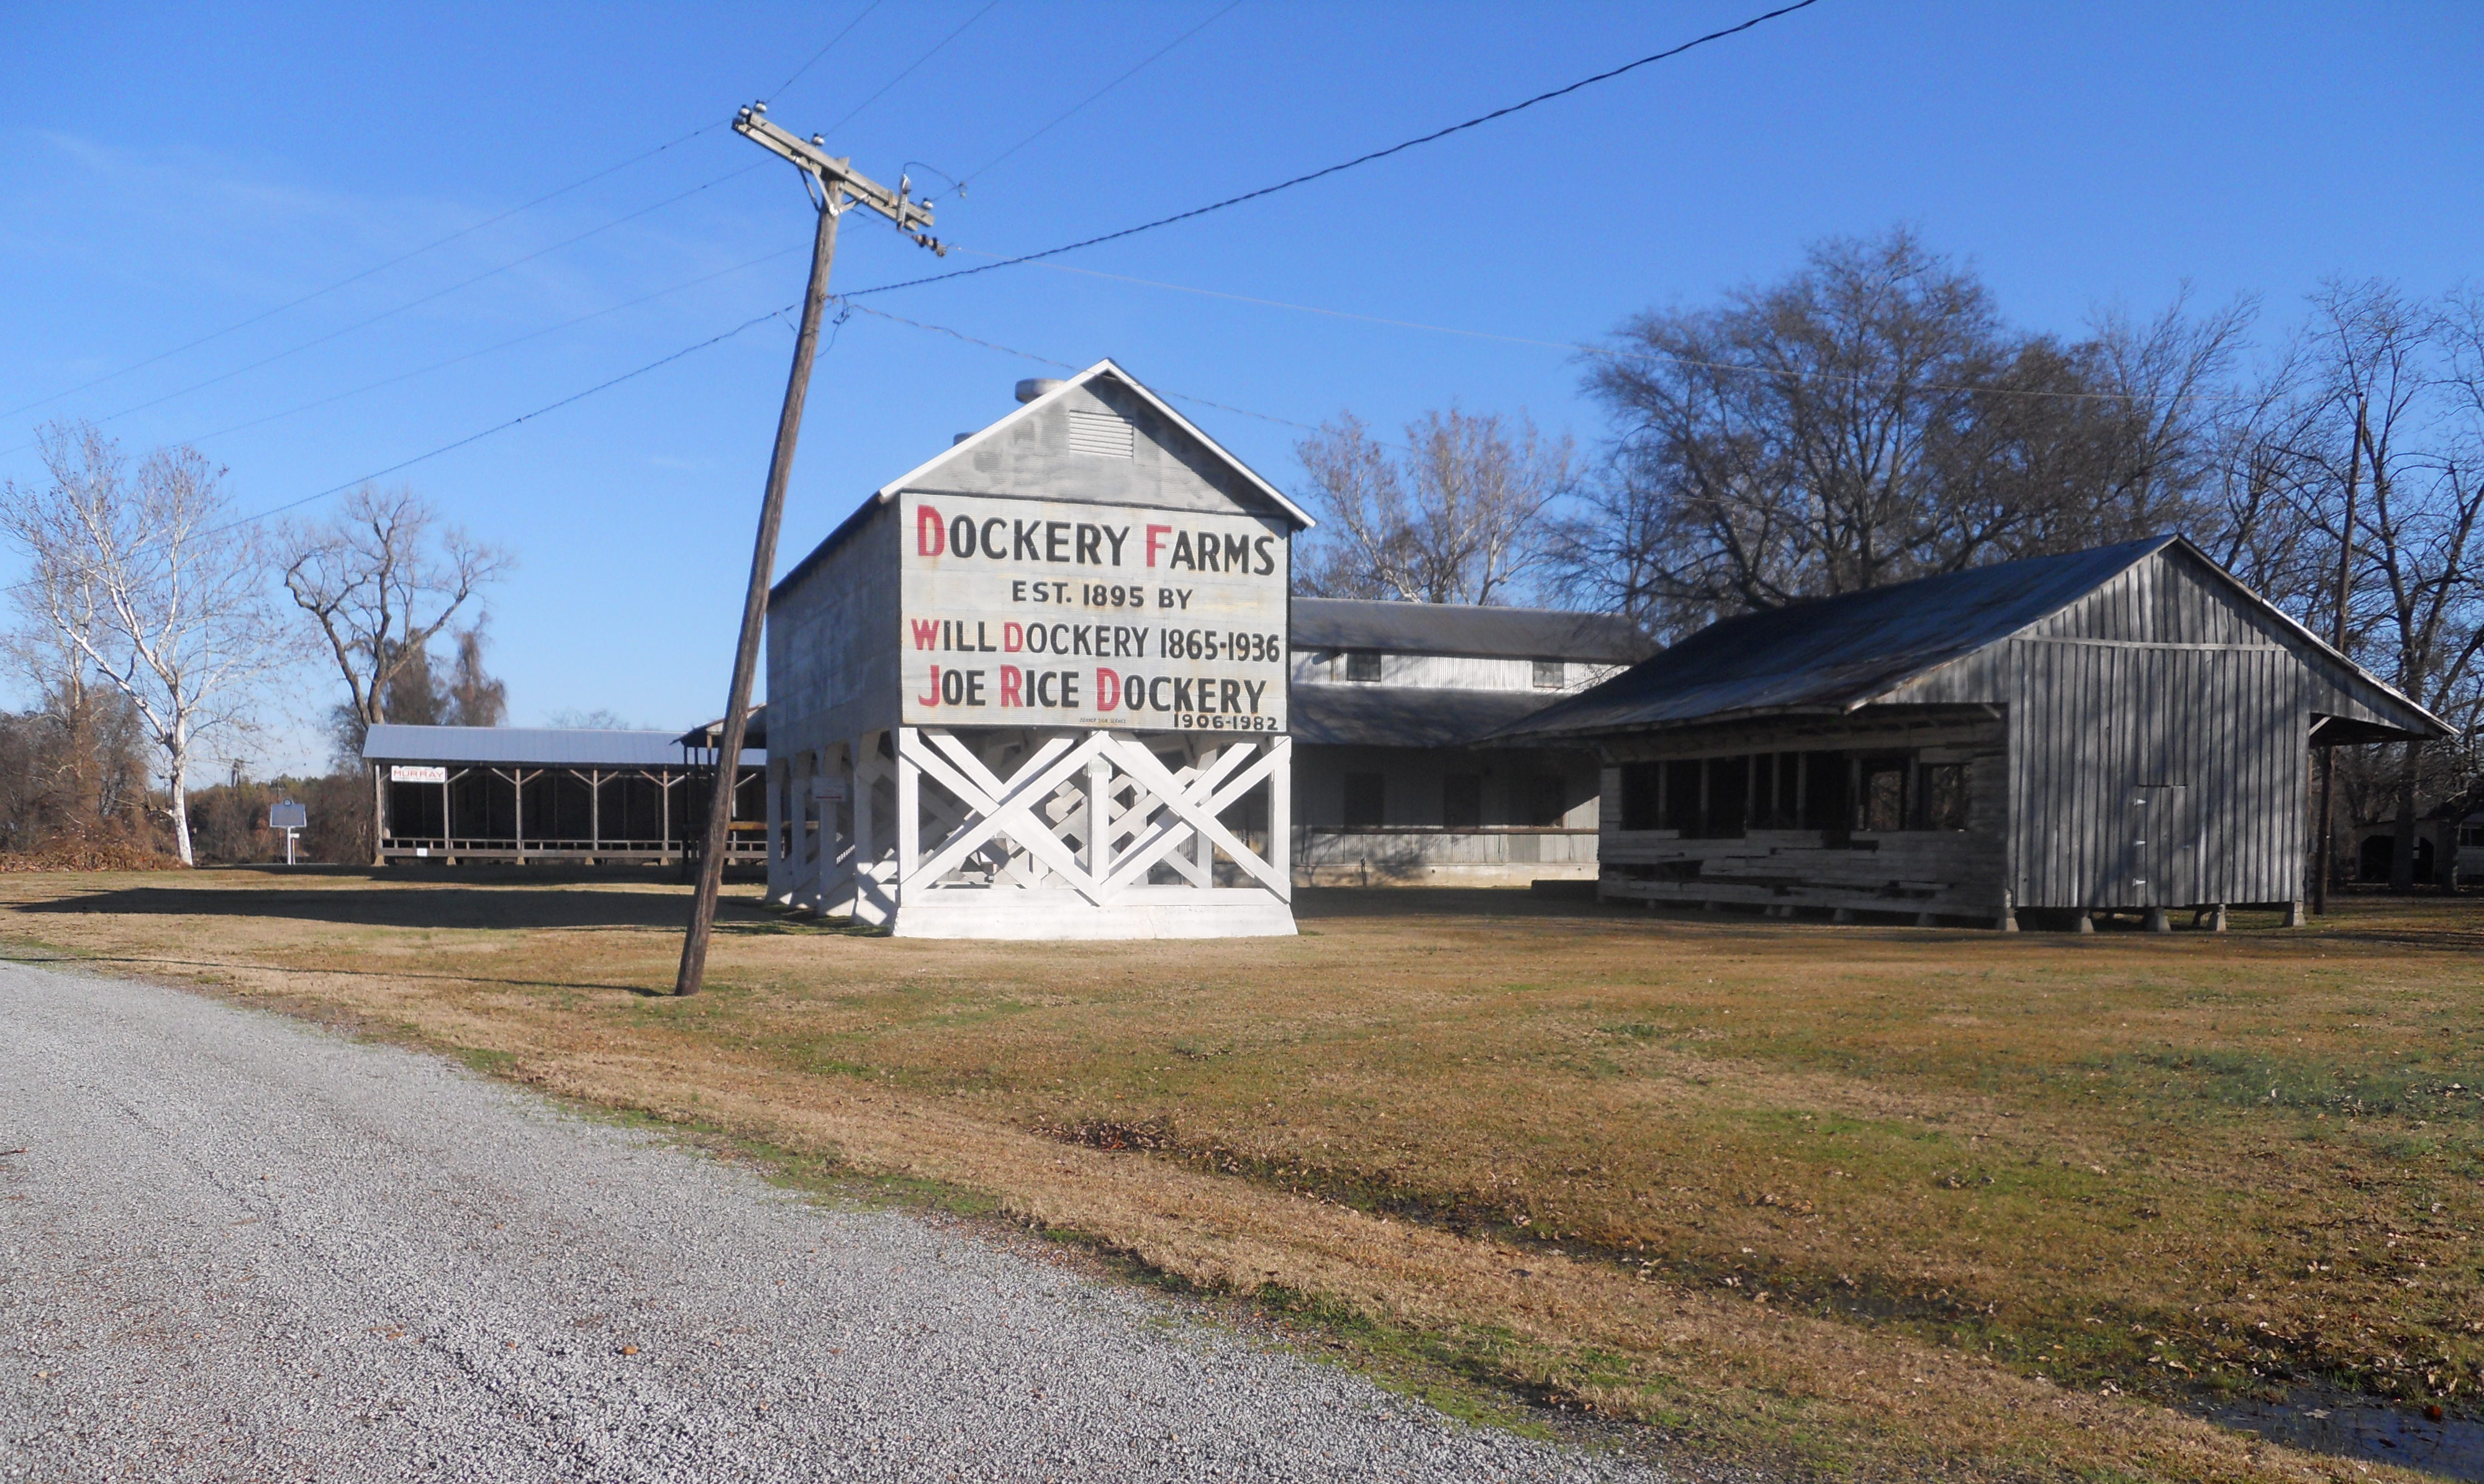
{"x":2163,"y":678}
{"x":2157,"y":679}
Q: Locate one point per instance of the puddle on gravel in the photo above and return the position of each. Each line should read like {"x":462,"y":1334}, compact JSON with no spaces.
{"x":2453,"y":1448}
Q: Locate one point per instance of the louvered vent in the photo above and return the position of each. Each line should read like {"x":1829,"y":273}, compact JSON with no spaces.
{"x":1104,"y":434}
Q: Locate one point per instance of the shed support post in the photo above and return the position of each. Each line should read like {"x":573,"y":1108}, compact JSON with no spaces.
{"x":2157,"y":921}
{"x":594,"y":816}
{"x":779,"y":868}
{"x":1280,"y":813}
{"x":2008,"y":922}
{"x":803,"y":823}
{"x":2217,"y":918}
{"x":909,"y":816}
{"x":379,"y":817}
{"x":2294,"y":913}
{"x":2087,"y":921}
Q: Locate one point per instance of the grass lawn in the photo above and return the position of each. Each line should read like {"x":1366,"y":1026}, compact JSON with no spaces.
{"x":1861,"y":1201}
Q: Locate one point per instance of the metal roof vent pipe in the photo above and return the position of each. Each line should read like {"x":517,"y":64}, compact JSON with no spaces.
{"x":1037,"y":385}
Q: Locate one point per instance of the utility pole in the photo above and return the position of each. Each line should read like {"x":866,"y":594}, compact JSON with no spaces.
{"x":2337,"y":639}
{"x":833,"y":186}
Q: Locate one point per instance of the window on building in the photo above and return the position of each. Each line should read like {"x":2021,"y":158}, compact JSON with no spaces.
{"x":1366,"y":797}
{"x":1462,"y":802}
{"x":1552,"y":674}
{"x":1544,"y":800}
{"x":1362,"y":664}
{"x":1880,"y":795}
{"x":1940,"y":796}
{"x":1642,"y":792}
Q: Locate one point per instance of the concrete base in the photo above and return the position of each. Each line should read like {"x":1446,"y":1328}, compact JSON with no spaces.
{"x":1147,"y":913}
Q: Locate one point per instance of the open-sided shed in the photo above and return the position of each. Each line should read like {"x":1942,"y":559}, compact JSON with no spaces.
{"x":588,"y":794}
{"x":1035,"y":687}
{"x":2126,"y":728}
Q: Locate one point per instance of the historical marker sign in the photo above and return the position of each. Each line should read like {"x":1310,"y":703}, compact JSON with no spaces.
{"x":1050,"y":614}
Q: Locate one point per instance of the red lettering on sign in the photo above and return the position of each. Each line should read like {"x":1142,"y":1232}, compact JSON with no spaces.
{"x":927,"y":632}
{"x":1156,"y":535}
{"x":1013,"y":679}
{"x":1108,"y":689}
{"x":933,"y":699}
{"x":930,"y":536}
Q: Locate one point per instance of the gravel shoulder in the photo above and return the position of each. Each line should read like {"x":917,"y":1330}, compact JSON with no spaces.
{"x":236,"y":1247}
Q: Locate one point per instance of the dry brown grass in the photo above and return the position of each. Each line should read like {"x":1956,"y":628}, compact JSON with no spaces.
{"x":1880,"y":1202}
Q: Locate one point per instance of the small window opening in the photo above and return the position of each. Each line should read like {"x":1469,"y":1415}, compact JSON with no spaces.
{"x":1882,"y":797}
{"x":1362,"y":664}
{"x":1941,"y":796}
{"x":1552,"y":674}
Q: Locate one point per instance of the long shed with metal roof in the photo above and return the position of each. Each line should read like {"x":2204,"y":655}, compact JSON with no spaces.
{"x":2126,"y":728}
{"x":587,"y":794}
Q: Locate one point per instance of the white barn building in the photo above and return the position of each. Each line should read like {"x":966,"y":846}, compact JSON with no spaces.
{"x":1391,"y":702}
{"x":1034,"y":687}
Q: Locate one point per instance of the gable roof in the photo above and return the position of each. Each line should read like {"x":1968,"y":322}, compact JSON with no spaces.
{"x":1842,"y":653}
{"x":966,"y":447}
{"x":1462,"y":629}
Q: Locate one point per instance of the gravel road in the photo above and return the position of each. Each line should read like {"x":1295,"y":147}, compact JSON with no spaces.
{"x":234,"y":1247}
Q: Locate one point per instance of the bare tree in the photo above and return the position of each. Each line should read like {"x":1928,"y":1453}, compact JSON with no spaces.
{"x":148,"y":578}
{"x":1869,"y":419}
{"x":1459,"y":517}
{"x":380,"y":582}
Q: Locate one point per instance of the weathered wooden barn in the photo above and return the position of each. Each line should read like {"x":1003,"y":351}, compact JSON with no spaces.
{"x":1034,"y":687}
{"x":1392,"y":783}
{"x":591,"y":795}
{"x":2123,"y":729}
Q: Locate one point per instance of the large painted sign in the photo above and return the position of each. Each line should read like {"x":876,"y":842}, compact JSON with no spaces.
{"x":1025,"y":612}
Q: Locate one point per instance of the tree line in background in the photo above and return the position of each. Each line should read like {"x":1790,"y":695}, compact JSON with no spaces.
{"x":154,"y":623}
{"x":1871,"y":418}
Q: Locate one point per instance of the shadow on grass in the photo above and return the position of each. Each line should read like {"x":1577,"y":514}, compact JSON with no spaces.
{"x":126,"y":960}
{"x":412,"y":907}
{"x":2435,"y":920}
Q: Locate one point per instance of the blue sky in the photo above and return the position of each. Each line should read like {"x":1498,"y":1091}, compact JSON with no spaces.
{"x":166,"y":171}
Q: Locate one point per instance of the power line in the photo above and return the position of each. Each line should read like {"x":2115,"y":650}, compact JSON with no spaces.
{"x":1359,"y":159}
{"x":779,"y":89}
{"x":410,"y":304}
{"x":1064,"y":115}
{"x":532,"y":334}
{"x":255,"y":517}
{"x":936,"y":49}
{"x":1028,"y":355}
{"x":352,"y":279}
{"x":414,"y":253}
